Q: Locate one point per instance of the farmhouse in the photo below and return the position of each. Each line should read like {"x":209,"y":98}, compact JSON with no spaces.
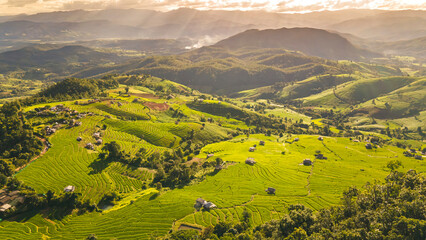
{"x":250,"y":161}
{"x":320,"y":138}
{"x":5,"y":207}
{"x":307,"y":162}
{"x":270,"y":190}
{"x":210,"y":155}
{"x":418,"y":157}
{"x":200,"y":201}
{"x":296,"y":139}
{"x":99,"y":141}
{"x":119,"y":104}
{"x":262,"y":143}
{"x":252,"y":149}
{"x":79,"y":139}
{"x":209,"y":205}
{"x":89,"y":146}
{"x":368,"y":146}
{"x":96,"y":135}
{"x":69,"y":188}
{"x":413,"y":150}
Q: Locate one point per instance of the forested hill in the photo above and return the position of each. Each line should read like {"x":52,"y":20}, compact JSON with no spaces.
{"x":218,"y":70}
{"x":315,"y":42}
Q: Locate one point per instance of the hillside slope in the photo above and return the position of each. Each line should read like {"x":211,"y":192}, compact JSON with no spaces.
{"x":315,"y":42}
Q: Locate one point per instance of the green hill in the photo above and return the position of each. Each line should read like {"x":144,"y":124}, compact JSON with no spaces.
{"x":314,"y":42}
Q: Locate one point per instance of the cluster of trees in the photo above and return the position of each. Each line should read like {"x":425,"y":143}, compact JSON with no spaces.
{"x":18,"y":144}
{"x":59,"y":205}
{"x":392,"y":210}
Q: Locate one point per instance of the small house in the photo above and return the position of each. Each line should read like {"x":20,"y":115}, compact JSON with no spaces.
{"x":250,"y":161}
{"x":319,"y":156}
{"x":69,"y":188}
{"x":99,"y":141}
{"x":5,"y":207}
{"x":320,"y":138}
{"x":218,"y":167}
{"x":209,"y":205}
{"x":270,"y":190}
{"x":96,"y":135}
{"x":262,"y":143}
{"x":418,"y":157}
{"x":79,"y":139}
{"x":368,"y":146}
{"x":413,"y":150}
{"x":355,"y":140}
{"x":89,"y":146}
{"x":119,"y":104}
{"x":307,"y":162}
{"x":296,"y":139}
{"x":252,"y":149}
{"x":200,"y":202}
{"x":210,"y":155}
{"x":200,"y":100}
{"x":77,"y":123}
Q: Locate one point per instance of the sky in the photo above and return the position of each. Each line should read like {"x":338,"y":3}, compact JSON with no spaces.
{"x":10,"y":7}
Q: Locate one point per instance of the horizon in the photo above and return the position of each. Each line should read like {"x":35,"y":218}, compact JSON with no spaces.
{"x":30,"y":7}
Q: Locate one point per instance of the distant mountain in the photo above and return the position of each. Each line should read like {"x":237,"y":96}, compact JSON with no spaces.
{"x":389,"y":26}
{"x":60,"y":60}
{"x":147,"y":46}
{"x":219,"y":70}
{"x":314,"y":42}
{"x":62,"y":31}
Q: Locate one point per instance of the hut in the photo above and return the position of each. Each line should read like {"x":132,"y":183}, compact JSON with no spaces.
{"x":77,"y":123}
{"x":79,"y":139}
{"x":320,"y":138}
{"x":252,"y":149}
{"x":69,"y":188}
{"x":270,"y":190}
{"x":262,"y":143}
{"x":250,"y":161}
{"x":296,"y":139}
{"x":96,"y":135}
{"x":307,"y":162}
{"x":200,"y":202}
{"x":418,"y":157}
{"x":368,"y":146}
{"x":413,"y":150}
{"x":210,"y":155}
{"x":209,"y":205}
{"x":99,"y":142}
{"x":119,"y":104}
{"x":89,"y":146}
{"x":320,"y":156}
{"x":5,"y":207}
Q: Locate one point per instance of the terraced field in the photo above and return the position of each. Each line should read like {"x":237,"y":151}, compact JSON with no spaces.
{"x":237,"y":187}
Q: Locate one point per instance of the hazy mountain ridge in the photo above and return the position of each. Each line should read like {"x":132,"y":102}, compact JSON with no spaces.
{"x":315,"y":42}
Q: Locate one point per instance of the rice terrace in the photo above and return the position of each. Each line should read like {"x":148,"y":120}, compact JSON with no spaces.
{"x":105,"y":134}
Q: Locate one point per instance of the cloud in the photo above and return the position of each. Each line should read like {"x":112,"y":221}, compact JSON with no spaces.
{"x":32,"y":6}
{"x":20,"y":3}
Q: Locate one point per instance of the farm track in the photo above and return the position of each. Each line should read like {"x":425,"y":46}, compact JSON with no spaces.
{"x":337,"y":155}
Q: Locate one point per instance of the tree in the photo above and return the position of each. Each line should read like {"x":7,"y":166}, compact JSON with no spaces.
{"x":113,"y":149}
{"x":394,"y":164}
